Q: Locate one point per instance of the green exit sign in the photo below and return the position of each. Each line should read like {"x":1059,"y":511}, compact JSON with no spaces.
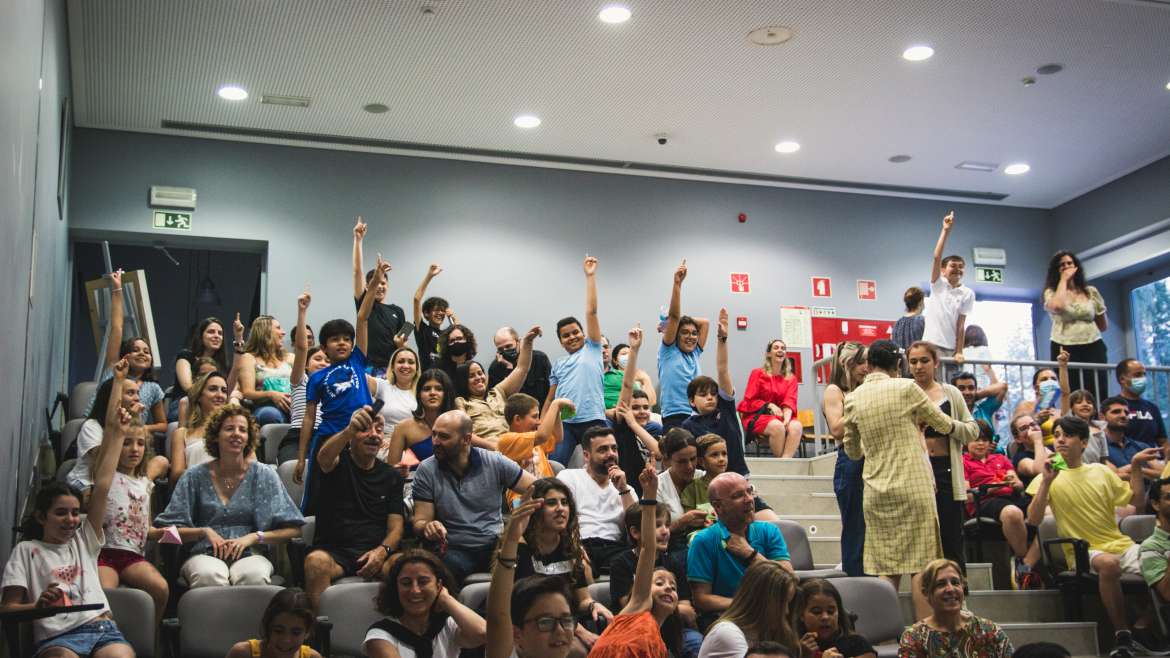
{"x":989,"y":274}
{"x":175,"y":221}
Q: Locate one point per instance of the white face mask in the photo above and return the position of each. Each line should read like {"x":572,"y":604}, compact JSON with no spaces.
{"x":623,"y":360}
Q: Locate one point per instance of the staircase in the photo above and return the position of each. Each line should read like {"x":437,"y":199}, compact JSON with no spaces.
{"x":802,"y":490}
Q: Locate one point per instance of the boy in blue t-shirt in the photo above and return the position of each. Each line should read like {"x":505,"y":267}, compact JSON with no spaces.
{"x":678,"y":356}
{"x":578,"y":376}
{"x":339,"y":389}
{"x":714,"y":405}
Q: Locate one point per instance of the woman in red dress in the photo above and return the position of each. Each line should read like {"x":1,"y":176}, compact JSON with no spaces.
{"x":768,"y":407}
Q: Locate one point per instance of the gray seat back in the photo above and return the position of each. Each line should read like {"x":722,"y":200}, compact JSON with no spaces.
{"x":350,"y":608}
{"x":134,"y":613}
{"x":474,"y":596}
{"x":270,"y":437}
{"x":79,"y":399}
{"x":799,"y":551}
{"x":172,"y":427}
{"x":295,"y":491}
{"x":69,"y":433}
{"x":1139,"y":527}
{"x":600,"y":593}
{"x":1054,"y":556}
{"x":875,"y":602}
{"x":215,"y":618}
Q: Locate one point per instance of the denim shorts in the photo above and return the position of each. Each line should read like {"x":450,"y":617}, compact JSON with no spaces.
{"x":86,"y":638}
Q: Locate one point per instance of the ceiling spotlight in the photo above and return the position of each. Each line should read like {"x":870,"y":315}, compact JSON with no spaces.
{"x":614,"y":14}
{"x":1016,"y":169}
{"x":917,"y":53}
{"x":376,"y":108}
{"x":232,"y":93}
{"x":787,"y":147}
{"x":1168,"y":86}
{"x":899,"y":159}
{"x":526,"y":121}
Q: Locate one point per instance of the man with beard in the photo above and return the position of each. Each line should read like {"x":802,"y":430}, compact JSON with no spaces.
{"x":720,"y":554}
{"x":458,"y":494}
{"x":359,"y":516}
{"x":1122,"y":445}
{"x":508,"y":353}
{"x":602,"y":496}
{"x":1155,"y":549}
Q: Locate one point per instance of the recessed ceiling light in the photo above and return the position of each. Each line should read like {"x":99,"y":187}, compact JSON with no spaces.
{"x":1050,"y":69}
{"x":771,"y":35}
{"x":899,"y":159}
{"x":787,"y":147}
{"x":1016,"y":169}
{"x":1168,"y":86}
{"x":917,"y":53}
{"x":376,"y":108}
{"x":526,"y":121}
{"x":614,"y":14}
{"x":232,"y":93}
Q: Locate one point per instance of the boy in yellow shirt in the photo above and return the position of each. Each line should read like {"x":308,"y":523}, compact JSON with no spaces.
{"x":1084,"y":498}
{"x":530,"y":439}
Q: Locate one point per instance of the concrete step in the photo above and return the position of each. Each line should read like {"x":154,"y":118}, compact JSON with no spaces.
{"x":825,"y":550}
{"x":822,"y":465}
{"x":1080,"y":638}
{"x":817,"y":525}
{"x":1005,"y":606}
{"x":978,"y":578}
{"x":804,"y":503}
{"x":770,"y":486}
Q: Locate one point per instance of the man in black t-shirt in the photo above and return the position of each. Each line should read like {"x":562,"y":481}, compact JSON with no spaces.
{"x":386,"y":320}
{"x":508,"y":353}
{"x":359,"y":516}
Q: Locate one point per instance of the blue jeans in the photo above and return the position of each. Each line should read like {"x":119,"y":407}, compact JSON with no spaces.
{"x":573,"y":434}
{"x":692,"y":642}
{"x":268,"y":414}
{"x":848,"y":486}
{"x":466,"y":560}
{"x":86,"y":638}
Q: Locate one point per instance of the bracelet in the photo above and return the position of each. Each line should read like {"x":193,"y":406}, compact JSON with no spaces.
{"x":647,"y":502}
{"x":389,"y":550}
{"x":722,"y":339}
{"x":259,"y":536}
{"x":507,"y":563}
{"x":751,"y":557}
{"x":624,"y":491}
{"x":116,"y":290}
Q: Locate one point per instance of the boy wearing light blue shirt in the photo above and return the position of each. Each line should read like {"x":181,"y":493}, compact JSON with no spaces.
{"x":678,"y":356}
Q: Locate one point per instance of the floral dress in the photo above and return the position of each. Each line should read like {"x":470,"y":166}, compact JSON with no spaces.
{"x":977,"y":638}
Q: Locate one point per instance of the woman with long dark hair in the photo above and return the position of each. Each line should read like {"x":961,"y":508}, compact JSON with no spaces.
{"x":1078,"y":318}
{"x":207,"y":340}
{"x":435,"y":396}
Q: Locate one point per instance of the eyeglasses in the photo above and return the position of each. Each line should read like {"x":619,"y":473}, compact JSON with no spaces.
{"x":547,"y":624}
{"x":688,"y":333}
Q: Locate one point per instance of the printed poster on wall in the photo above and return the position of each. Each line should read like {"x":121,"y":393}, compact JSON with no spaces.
{"x":796,"y":326}
{"x":827,"y":332}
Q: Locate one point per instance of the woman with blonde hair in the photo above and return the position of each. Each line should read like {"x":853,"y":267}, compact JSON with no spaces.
{"x":950,"y":630}
{"x":761,"y":611}
{"x":768,"y":406}
{"x":206,"y":394}
{"x":264,"y":369}
{"x":848,"y":370}
{"x":398,"y":393}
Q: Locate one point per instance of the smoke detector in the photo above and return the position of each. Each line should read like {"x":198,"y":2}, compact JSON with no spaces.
{"x":771,"y":35}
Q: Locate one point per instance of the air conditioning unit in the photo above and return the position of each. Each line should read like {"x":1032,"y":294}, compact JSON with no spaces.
{"x":990,"y":256}
{"x":163,"y":196}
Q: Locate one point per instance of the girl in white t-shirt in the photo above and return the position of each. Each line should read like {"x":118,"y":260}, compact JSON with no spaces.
{"x":127,"y":521}
{"x":59,"y":568}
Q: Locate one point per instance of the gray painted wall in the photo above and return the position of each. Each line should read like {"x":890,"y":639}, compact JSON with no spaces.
{"x":511,"y":239}
{"x":34,"y":245}
{"x":1127,"y":204}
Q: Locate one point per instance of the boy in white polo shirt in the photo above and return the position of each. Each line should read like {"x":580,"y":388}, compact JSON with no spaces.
{"x":950,"y":301}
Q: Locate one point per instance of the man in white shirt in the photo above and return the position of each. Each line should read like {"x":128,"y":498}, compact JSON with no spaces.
{"x":602,"y":496}
{"x":950,"y":301}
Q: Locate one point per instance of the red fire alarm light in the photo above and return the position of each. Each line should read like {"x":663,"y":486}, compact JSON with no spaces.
{"x":741,"y":322}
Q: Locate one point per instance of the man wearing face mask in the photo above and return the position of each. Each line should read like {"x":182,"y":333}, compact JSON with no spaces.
{"x":507,"y":353}
{"x":1122,"y":444}
{"x":1145,"y":419}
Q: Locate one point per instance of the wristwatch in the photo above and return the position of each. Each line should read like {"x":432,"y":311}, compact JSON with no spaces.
{"x":388,"y":550}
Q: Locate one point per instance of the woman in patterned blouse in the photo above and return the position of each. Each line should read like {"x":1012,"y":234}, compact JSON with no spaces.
{"x":950,"y":630}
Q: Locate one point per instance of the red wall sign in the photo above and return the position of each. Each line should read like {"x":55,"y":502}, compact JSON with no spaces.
{"x":866,"y":289}
{"x":827,"y":332}
{"x":741,"y":282}
{"x":822,"y":286}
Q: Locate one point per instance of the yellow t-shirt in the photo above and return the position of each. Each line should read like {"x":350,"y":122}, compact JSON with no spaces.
{"x":1084,"y":501}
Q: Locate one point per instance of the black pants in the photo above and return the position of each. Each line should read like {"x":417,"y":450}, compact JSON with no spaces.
{"x":1095,"y":381}
{"x":601,"y":551}
{"x":950,"y":512}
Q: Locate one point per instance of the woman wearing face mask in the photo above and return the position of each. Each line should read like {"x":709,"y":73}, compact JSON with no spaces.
{"x":1078,"y":318}
{"x":620,"y":358}
{"x":848,"y":371}
{"x":1046,"y":406}
{"x":456,"y":346}
{"x":768,"y":406}
{"x":950,"y":630}
{"x":946,"y":451}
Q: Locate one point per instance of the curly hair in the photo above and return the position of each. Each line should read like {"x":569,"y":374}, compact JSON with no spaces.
{"x":215,"y":423}
{"x":387,"y":601}
{"x":445,"y":361}
{"x":570,"y":543}
{"x":262,"y":341}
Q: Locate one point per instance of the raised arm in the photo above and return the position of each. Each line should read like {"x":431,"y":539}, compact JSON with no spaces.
{"x":515,"y":379}
{"x":551,"y":426}
{"x":1137,"y":480}
{"x":674,"y":313}
{"x":644,"y":573}
{"x":359,"y":277}
{"x":117,"y":310}
{"x":725,"y":383}
{"x":117,"y":423}
{"x":363,"y":315}
{"x":499,"y":603}
{"x":592,"y":324}
{"x":995,"y":388}
{"x":634,"y":337}
{"x":1062,"y":374}
{"x":433,"y":271}
{"x":301,"y":344}
{"x":304,"y":439}
{"x":941,"y":245}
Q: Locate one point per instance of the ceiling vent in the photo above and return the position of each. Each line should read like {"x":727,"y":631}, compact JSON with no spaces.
{"x":1160,"y":4}
{"x":287,"y":101}
{"x":971,"y":165}
{"x":164,"y":196}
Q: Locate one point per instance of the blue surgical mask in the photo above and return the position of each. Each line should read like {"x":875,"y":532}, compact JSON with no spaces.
{"x":1138,"y":385}
{"x":623,"y":360}
{"x":1049,"y":385}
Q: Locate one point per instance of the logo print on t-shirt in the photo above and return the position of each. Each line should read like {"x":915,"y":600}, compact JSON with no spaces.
{"x":339,"y":380}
